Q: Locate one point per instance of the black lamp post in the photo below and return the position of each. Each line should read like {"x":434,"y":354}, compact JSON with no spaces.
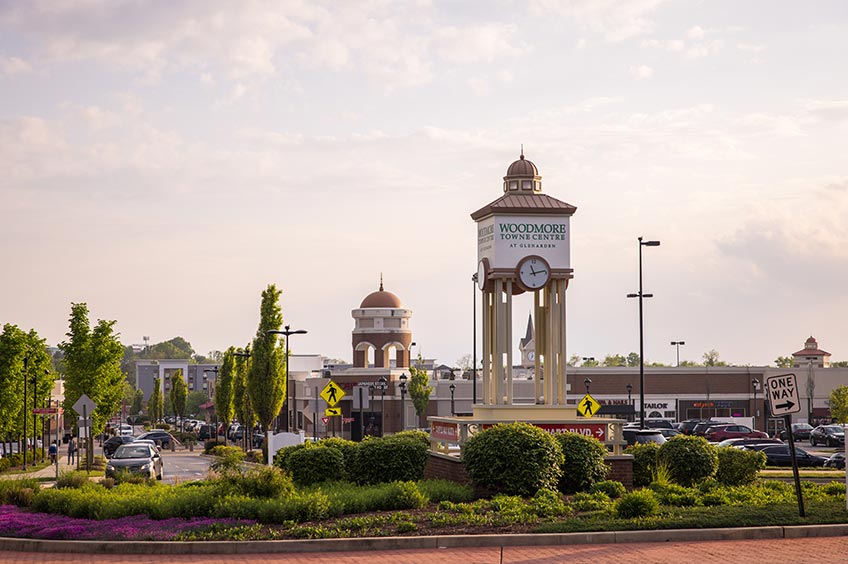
{"x":755,"y":384}
{"x":381,"y":383}
{"x":641,"y":295}
{"x":474,"y":346}
{"x":245,"y":355}
{"x":452,"y":390}
{"x":587,"y":382}
{"x":403,"y":379}
{"x":371,"y":389}
{"x":629,"y":402}
{"x":287,"y":331}
{"x":25,"y":448}
{"x":588,"y":359}
{"x":678,"y":343}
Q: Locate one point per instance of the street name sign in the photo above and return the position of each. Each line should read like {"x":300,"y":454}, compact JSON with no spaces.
{"x":782,"y":393}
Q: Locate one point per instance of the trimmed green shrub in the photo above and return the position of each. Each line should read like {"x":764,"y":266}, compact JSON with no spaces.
{"x":72,"y":479}
{"x":584,"y":462}
{"x":389,"y":459}
{"x":405,"y":495}
{"x":282,"y":455}
{"x":689,"y":459}
{"x":644,"y":462}
{"x":263,"y":482}
{"x":12,"y":491}
{"x":547,"y":503}
{"x":597,"y":501}
{"x":347,"y":448}
{"x":641,"y":503}
{"x":737,"y":467}
{"x":415,"y":435}
{"x":514,"y":458}
{"x":610,"y":487}
{"x":314,"y":465}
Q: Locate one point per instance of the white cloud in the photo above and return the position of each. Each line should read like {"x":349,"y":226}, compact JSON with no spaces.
{"x":640,"y":72}
{"x":834,"y":111}
{"x":695,"y":32}
{"x":470,"y":44}
{"x":704,"y":49}
{"x":614,"y":20}
{"x":13,"y":65}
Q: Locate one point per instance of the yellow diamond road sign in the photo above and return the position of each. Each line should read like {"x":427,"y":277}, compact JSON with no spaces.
{"x":332,"y":393}
{"x":333,"y":411}
{"x":588,"y":407}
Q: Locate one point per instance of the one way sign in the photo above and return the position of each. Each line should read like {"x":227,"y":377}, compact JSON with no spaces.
{"x":783,"y":394}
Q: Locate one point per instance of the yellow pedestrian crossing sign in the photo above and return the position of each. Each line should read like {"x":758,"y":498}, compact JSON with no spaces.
{"x":333,"y":411}
{"x":588,"y":406}
{"x":332,"y":393}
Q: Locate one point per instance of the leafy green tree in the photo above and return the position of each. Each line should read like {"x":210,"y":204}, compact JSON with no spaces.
{"x":241,"y":399}
{"x":590,"y":362}
{"x":573,"y":360}
{"x":179,"y":390}
{"x":193,"y":402}
{"x":92,"y":366}
{"x":22,"y":355}
{"x":633,"y":359}
{"x":839,"y":404}
{"x":419,"y":387}
{"x":783,"y":362}
{"x":840,"y":364}
{"x":224,"y":404}
{"x":137,"y":403}
{"x":711,"y":359}
{"x":266,"y":381}
{"x":614,"y":360}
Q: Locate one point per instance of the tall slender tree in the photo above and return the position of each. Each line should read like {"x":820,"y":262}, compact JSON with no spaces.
{"x":243,"y":410}
{"x":156,"y":402}
{"x":266,"y":382}
{"x":179,"y":390}
{"x":224,"y":405}
{"x":419,"y":387}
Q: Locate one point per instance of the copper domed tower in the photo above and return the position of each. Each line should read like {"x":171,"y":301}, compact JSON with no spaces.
{"x":382,"y":323}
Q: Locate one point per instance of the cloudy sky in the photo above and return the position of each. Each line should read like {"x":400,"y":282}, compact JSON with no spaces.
{"x":165,"y":161}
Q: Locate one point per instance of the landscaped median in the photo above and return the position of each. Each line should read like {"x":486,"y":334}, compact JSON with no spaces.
{"x":337,"y":489}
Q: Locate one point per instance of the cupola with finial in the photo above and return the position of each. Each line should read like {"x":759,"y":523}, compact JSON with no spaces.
{"x":522,"y":177}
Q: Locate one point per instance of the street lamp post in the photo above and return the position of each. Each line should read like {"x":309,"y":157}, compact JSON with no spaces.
{"x":288,"y":332}
{"x":382,"y":385}
{"x":588,"y":361}
{"x":371,"y":388}
{"x":641,"y":295}
{"x":474,"y":346}
{"x":245,"y":355}
{"x":587,"y":382}
{"x":677,"y":344}
{"x":755,"y":384}
{"x":25,"y":448}
{"x":452,"y":390}
{"x":629,"y":401}
{"x":403,"y":379}
{"x":209,"y":397}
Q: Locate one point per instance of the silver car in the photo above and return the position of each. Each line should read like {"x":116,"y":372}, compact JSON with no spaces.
{"x":135,"y":458}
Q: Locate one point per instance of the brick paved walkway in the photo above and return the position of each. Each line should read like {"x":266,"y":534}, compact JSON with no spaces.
{"x":783,"y":551}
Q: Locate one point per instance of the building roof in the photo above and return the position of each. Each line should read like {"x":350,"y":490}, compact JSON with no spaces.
{"x":811,"y":348}
{"x":526,"y":204}
{"x":381,"y":298}
{"x":522,"y":167}
{"x":529,"y":335}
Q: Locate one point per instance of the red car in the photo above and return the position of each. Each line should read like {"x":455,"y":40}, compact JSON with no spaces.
{"x":732,"y":431}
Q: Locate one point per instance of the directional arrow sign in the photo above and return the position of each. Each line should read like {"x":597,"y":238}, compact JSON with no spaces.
{"x":782,"y":393}
{"x":333,"y":411}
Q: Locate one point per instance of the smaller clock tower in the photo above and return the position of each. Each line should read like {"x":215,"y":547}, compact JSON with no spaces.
{"x":527,"y":345}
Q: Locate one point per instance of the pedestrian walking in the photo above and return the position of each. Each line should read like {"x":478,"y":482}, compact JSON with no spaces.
{"x":53,"y":450}
{"x":72,"y":450}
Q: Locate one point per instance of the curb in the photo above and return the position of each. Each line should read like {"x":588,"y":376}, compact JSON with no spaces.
{"x":411,"y":543}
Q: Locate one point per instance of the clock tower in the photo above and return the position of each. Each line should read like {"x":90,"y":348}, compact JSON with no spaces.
{"x":523,"y":245}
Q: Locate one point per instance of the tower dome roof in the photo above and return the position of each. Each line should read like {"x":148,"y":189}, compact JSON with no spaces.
{"x":522,"y":167}
{"x":381,"y":298}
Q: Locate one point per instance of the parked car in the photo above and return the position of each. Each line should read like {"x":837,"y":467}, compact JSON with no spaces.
{"x":125,"y":430}
{"x":686,"y":427}
{"x":830,"y":435}
{"x":205,"y":432}
{"x":800,"y":432}
{"x":703,"y":427}
{"x":658,"y":424}
{"x":111,"y":444}
{"x":160,"y":437}
{"x":635,"y":435}
{"x":147,"y":442}
{"x":669,"y":433}
{"x":136,"y":458}
{"x":836,"y":460}
{"x":778,"y":455}
{"x":731,"y":431}
{"x":745,"y":442}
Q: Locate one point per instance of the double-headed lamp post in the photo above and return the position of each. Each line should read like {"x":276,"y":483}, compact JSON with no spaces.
{"x":677,"y":344}
{"x":288,"y":332}
{"x":382,"y":385}
{"x":587,"y":382}
{"x":403,"y":378}
{"x":641,"y":295}
{"x":452,"y":390}
{"x":755,"y":384}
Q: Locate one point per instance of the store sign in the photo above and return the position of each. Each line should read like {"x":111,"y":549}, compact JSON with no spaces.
{"x":441,"y":431}
{"x":505,"y":240}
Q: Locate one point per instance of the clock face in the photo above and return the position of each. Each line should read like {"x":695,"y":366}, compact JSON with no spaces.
{"x":533,"y":272}
{"x":482,"y":273}
{"x":531,"y":356}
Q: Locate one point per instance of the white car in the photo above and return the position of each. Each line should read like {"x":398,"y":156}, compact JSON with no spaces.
{"x":125,"y":430}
